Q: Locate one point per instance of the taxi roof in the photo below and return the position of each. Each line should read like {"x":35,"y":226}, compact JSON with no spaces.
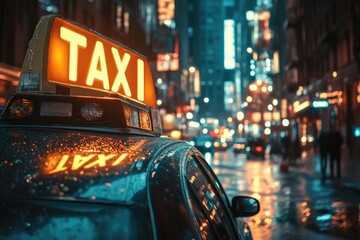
{"x":87,"y":164}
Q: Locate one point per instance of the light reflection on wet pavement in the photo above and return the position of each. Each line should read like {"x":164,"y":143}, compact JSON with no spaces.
{"x":295,"y":204}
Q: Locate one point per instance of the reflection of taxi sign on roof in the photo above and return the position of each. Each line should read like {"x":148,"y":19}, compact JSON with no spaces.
{"x":72,"y":75}
{"x":67,"y":54}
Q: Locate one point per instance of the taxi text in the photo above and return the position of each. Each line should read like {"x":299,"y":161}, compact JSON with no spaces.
{"x":80,"y":162}
{"x":98,"y":70}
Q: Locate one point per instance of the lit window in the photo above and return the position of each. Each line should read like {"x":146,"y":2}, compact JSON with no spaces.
{"x":127,"y":21}
{"x":118,"y":16}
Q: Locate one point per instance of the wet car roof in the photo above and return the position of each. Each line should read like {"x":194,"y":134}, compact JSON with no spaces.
{"x":75,"y":164}
{"x":79,"y":182}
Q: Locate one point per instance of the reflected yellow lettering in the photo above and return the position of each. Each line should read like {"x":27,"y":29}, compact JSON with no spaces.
{"x":61,"y":165}
{"x":119,"y":160}
{"x":98,"y":60}
{"x":121,"y":77}
{"x":80,"y":161}
{"x":76,"y":162}
{"x":101,"y":161}
{"x":75,"y":41}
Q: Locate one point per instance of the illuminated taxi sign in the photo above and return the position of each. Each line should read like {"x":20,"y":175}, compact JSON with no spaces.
{"x":71,"y":55}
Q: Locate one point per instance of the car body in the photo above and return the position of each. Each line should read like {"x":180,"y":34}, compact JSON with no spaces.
{"x":101,"y":182}
{"x":239,"y":145}
{"x":256,"y":148}
{"x":79,"y":160}
{"x":204,"y":143}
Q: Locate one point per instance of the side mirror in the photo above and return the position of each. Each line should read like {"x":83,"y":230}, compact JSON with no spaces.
{"x":243,"y":206}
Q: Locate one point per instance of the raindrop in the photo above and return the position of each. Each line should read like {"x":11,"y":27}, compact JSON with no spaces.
{"x":12,"y":185}
{"x":28,"y":178}
{"x":74,"y":179}
{"x":18,"y":161}
{"x":139,"y":164}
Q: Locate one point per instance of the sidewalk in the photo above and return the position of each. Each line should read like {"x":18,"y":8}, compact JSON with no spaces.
{"x":350,"y":168}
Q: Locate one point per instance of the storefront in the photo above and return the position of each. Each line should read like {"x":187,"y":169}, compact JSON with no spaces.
{"x":308,"y":113}
{"x":331,"y":103}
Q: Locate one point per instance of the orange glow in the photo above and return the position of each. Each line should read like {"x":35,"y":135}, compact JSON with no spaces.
{"x":175,"y":134}
{"x":166,"y":11}
{"x":249,"y":99}
{"x":61,"y":163}
{"x":253,"y":87}
{"x":80,"y":58}
{"x":167,"y":62}
{"x":300,"y":106}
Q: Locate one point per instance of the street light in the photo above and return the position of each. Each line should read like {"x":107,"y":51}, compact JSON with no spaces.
{"x":275,"y":102}
{"x":258,"y":98}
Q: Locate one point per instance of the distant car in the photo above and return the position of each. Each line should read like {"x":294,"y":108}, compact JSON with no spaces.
{"x":255,"y":148}
{"x":204,"y":143}
{"x":220,"y":145}
{"x":239,"y":145}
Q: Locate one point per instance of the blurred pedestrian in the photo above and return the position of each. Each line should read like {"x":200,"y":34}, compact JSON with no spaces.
{"x":286,"y":152}
{"x":296,"y":150}
{"x":335,"y":143}
{"x":323,"y":142}
{"x":286,"y":144}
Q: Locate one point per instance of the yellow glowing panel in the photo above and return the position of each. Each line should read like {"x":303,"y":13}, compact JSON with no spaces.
{"x":82,"y":58}
{"x":66,"y":163}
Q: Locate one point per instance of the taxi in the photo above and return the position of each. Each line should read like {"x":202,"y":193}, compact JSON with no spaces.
{"x":82,"y":154}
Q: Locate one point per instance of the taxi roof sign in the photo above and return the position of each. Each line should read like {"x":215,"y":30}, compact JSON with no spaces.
{"x":64,"y":53}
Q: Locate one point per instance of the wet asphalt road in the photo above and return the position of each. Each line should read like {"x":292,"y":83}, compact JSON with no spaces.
{"x":294,"y":204}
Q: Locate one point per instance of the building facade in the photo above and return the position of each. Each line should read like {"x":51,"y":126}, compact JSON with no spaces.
{"x":129,"y":22}
{"x":324,"y":38}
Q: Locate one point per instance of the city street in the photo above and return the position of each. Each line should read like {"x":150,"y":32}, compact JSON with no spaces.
{"x":297,"y":204}
{"x":105,"y":107}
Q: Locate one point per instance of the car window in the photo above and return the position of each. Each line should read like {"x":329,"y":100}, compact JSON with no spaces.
{"x":207,"y":201}
{"x":201,"y":221}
